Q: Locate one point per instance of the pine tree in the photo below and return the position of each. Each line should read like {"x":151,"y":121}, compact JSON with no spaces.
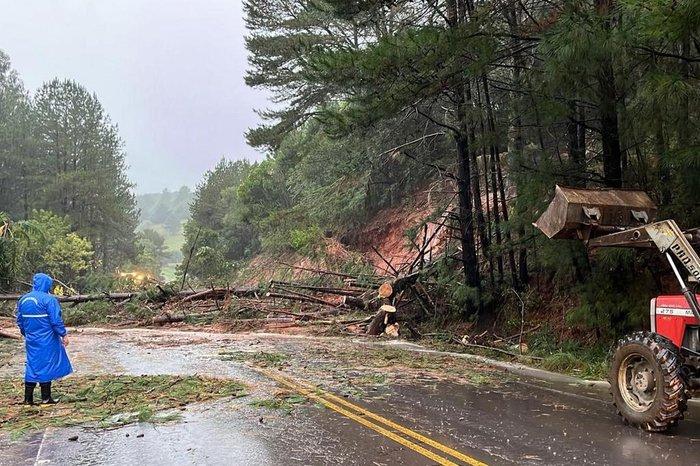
{"x":81,"y":169}
{"x":16,"y":143}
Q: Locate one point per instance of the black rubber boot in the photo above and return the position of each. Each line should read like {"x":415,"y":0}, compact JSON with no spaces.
{"x":29,"y":393}
{"x":46,"y":394}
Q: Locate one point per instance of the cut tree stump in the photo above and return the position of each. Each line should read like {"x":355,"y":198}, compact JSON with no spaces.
{"x":385,"y":316}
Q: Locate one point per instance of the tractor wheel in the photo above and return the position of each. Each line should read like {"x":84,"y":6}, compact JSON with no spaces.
{"x":646,"y":382}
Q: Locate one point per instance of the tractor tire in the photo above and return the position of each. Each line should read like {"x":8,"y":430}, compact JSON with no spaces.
{"x":646,"y":382}
{"x":683,"y":403}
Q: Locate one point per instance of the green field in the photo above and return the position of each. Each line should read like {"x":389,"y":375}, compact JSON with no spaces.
{"x":166,"y":213}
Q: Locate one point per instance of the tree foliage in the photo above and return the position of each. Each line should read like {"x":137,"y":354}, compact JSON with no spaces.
{"x":81,"y":151}
{"x":44,"y":243}
{"x":216,"y":235}
{"x":60,"y":153}
{"x":523,"y":95}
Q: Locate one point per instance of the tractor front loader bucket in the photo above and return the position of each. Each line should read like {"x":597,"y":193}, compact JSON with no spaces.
{"x":577,"y":213}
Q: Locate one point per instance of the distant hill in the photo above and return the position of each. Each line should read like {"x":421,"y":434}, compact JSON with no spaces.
{"x":168,"y":209}
{"x":165,"y":213}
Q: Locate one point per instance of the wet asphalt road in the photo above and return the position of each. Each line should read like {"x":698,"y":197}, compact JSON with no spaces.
{"x":505,"y":419}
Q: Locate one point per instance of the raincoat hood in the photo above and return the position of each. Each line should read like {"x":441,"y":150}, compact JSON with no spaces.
{"x":42,"y":282}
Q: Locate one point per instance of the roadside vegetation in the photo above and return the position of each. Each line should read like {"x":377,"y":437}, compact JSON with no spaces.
{"x":494,"y":104}
{"x":109,"y":401}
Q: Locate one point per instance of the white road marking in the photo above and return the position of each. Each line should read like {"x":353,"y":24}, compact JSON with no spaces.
{"x":37,"y":460}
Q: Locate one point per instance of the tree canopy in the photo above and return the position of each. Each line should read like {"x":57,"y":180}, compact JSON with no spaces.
{"x":517,"y":96}
{"x":62,"y":162}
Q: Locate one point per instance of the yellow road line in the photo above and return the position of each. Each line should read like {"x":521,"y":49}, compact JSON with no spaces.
{"x":308,"y":391}
{"x":407,"y":443}
{"x":404,"y":430}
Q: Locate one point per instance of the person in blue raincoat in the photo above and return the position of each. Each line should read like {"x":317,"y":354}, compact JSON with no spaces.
{"x":40,"y":321}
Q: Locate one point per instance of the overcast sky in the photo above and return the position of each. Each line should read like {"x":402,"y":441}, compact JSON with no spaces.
{"x":169,"y":72}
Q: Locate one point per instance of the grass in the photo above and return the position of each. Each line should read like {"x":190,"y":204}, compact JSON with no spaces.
{"x":88,"y":313}
{"x":259,"y":358}
{"x":281,"y":401}
{"x":571,"y":358}
{"x":109,"y":400}
{"x":582,"y":364}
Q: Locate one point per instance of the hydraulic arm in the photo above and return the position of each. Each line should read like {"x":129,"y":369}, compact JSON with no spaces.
{"x":669,"y":239}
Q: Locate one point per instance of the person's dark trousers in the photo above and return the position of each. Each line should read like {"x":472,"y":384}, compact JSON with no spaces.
{"x":45,"y":392}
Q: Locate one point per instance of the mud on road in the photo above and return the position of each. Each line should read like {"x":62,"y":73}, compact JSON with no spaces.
{"x":456,"y":409}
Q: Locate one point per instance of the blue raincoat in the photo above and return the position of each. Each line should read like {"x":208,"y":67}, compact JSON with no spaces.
{"x":39,"y":319}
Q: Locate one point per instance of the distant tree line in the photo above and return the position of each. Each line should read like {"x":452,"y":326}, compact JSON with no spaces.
{"x":168,"y":209}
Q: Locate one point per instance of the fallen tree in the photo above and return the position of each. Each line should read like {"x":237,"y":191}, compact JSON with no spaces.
{"x":294,"y":301}
{"x":220,"y":293}
{"x":81,"y":298}
{"x":186,"y":295}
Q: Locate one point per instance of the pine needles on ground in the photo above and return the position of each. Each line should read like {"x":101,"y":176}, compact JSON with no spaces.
{"x":109,"y":400}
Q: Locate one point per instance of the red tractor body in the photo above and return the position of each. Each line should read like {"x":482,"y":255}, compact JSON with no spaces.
{"x":672,"y":317}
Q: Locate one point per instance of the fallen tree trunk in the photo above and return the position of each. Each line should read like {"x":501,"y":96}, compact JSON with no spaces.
{"x":318,"y":289}
{"x":81,"y":298}
{"x":385,"y":316}
{"x":291,"y":296}
{"x":386,"y":292}
{"x":270,"y":320}
{"x":189,"y":295}
{"x":361,"y":284}
{"x":355,"y":302}
{"x":201,"y":293}
{"x":319,"y":271}
{"x":403,"y":282}
{"x":168,"y":318}
{"x":498,"y":350}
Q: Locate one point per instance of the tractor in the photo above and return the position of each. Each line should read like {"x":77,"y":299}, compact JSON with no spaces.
{"x":652,"y":373}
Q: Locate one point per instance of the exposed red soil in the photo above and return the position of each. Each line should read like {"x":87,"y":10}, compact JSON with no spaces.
{"x":388,"y":231}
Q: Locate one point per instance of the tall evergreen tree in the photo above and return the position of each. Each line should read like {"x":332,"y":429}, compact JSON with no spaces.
{"x":82,"y":169}
{"x":17,"y":155}
{"x":582,"y":92}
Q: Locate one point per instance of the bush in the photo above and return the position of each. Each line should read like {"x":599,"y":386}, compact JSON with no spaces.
{"x":614,"y":300}
{"x":94,"y":312}
{"x":562,"y":362}
{"x":302,"y":240}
